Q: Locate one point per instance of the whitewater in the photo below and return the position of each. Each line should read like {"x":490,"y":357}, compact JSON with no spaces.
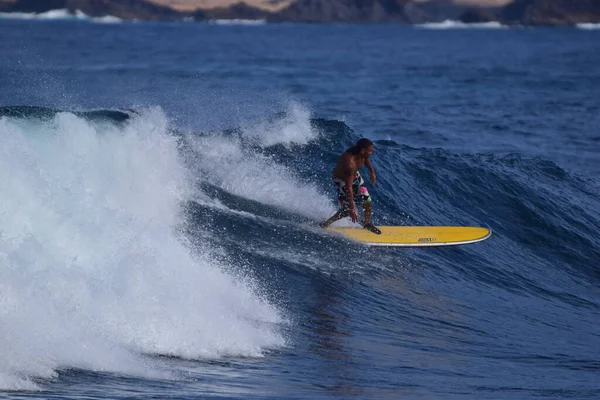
{"x":95,"y":271}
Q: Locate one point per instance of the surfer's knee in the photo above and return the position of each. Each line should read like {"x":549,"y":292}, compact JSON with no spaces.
{"x":364,"y":196}
{"x":344,"y":213}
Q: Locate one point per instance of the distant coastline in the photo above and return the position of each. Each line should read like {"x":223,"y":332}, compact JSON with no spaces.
{"x":581,"y":13}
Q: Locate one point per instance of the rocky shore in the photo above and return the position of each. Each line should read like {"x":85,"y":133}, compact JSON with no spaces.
{"x":519,"y":12}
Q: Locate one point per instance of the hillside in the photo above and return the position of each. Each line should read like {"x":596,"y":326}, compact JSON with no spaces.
{"x":551,"y":12}
{"x":522,"y":12}
{"x":275,"y":5}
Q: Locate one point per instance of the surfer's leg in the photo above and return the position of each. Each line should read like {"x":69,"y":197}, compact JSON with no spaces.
{"x":343,"y":213}
{"x":367,"y":212}
{"x":367,"y":208}
{"x":364,"y":198}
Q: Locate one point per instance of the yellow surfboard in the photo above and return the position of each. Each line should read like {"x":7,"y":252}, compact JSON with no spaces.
{"x":415,"y":236}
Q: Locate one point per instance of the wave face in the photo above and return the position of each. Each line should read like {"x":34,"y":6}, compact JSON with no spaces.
{"x":95,"y":272}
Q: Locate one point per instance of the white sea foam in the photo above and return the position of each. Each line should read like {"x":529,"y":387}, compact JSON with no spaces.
{"x":92,"y":270}
{"x":588,"y":26}
{"x":224,"y":162}
{"x":293,"y":129}
{"x":449,"y":24}
{"x":62,"y":14}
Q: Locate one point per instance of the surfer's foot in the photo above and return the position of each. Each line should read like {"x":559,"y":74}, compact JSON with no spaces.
{"x":323,"y":224}
{"x":372,"y":228}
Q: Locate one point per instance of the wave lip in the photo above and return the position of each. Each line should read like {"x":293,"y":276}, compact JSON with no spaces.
{"x":450,"y":24}
{"x":61,"y":14}
{"x":253,"y":171}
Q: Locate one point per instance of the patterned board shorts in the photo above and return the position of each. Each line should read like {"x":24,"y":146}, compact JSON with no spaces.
{"x":361,"y":194}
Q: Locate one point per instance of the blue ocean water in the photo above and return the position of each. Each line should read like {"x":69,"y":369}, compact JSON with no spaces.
{"x":161,"y":183}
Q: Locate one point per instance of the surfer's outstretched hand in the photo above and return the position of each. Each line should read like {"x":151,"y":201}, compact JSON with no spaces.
{"x":373,"y":177}
{"x":354,"y":214}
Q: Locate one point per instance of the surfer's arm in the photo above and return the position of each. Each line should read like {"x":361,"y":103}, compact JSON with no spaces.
{"x":372,"y":174}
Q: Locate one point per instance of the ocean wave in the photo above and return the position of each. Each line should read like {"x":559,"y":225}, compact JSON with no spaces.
{"x":449,"y":24}
{"x":255,"y":155}
{"x":123,"y":237}
{"x":61,"y":14}
{"x":95,"y":272}
{"x":534,"y":196}
{"x":35,"y":112}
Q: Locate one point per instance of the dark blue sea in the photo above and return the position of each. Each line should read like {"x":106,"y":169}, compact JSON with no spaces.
{"x":160,"y":186}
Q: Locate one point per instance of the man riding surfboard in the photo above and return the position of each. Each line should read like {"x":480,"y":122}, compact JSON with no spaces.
{"x":350,"y":185}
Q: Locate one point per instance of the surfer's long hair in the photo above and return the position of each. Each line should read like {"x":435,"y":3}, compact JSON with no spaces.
{"x":363,"y":143}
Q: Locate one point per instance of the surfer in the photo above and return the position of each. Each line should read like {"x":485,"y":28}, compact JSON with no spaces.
{"x":350,"y":186}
